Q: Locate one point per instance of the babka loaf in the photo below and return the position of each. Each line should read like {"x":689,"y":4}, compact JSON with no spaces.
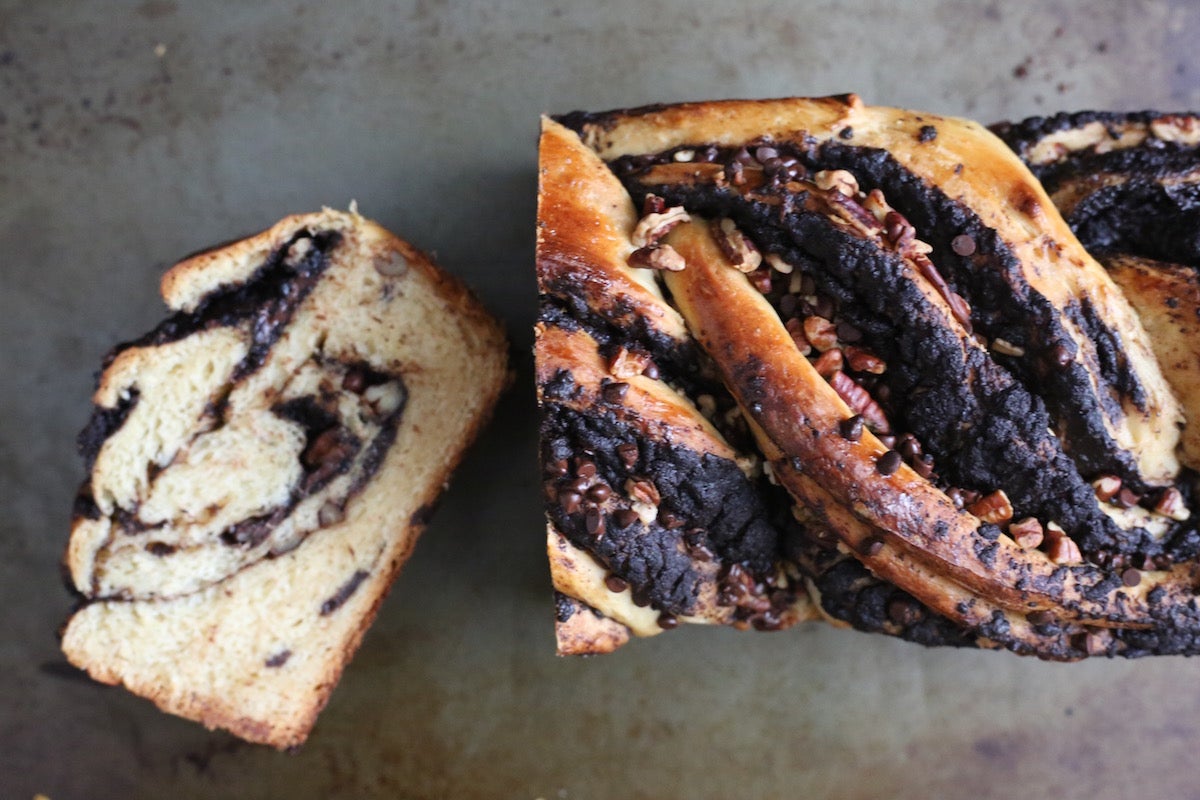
{"x":261,"y":463}
{"x":883,"y":312}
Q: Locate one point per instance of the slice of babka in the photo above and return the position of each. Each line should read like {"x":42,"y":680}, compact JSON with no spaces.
{"x":261,"y":463}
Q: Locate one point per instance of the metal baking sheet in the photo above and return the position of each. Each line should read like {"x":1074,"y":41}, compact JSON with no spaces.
{"x":134,"y":132}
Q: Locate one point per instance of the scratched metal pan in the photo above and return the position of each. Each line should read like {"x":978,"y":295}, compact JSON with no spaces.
{"x":134,"y":132}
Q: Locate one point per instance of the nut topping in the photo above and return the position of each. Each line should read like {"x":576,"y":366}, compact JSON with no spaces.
{"x":862,"y":360}
{"x":994,"y":508}
{"x":1007,"y":348}
{"x":627,"y":363}
{"x":828,"y":363}
{"x":796,"y":328}
{"x":653,"y":227}
{"x":642,"y":490}
{"x":1059,"y":547}
{"x":1106,"y":487}
{"x":1027,"y":533}
{"x":1171,"y":504}
{"x":657,"y":256}
{"x":839,"y":180}
{"x":740,"y":251}
{"x":860,"y":402}
{"x":820,"y":333}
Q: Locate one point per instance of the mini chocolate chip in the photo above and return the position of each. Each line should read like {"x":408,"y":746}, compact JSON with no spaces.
{"x":846,"y":133}
{"x":651,"y":371}
{"x":956,"y":497}
{"x":579,"y":484}
{"x":1040,"y":617}
{"x":628,"y":453}
{"x":640,"y":598}
{"x":585,"y":468}
{"x":848,"y":333}
{"x":787,"y":305}
{"x":569,"y":500}
{"x":557,"y":469}
{"x":599,"y":493}
{"x":963,"y":245}
{"x":764,"y":154}
{"x":616,"y":584}
{"x":904,"y":612}
{"x":887,"y":440}
{"x":1060,"y":356}
{"x":924,"y":465}
{"x":909,"y":448}
{"x":593,"y":522}
{"x":871,"y":546}
{"x":624,"y":517}
{"x":889,"y":462}
{"x":1131,"y":577}
{"x":667,"y":622}
{"x":851,"y":428}
{"x":615,"y":392}
{"x":355,"y":380}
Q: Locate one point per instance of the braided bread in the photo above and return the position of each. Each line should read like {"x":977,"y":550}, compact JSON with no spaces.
{"x":891,"y":320}
{"x":261,"y":463}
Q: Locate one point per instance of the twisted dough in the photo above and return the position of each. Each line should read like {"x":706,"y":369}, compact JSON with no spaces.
{"x":979,"y":437}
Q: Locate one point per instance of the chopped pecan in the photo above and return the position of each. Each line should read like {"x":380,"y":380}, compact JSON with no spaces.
{"x":1059,"y":547}
{"x":828,"y":362}
{"x":654,"y":226}
{"x":1027,"y":533}
{"x":627,"y":363}
{"x":862,"y":360}
{"x":740,"y":251}
{"x":1106,"y":487}
{"x":642,"y":490}
{"x":657,"y":256}
{"x":861,"y":402}
{"x":994,"y":507}
{"x":1171,"y":504}
{"x":820,"y":333}
{"x":795,"y":327}
{"x":839,"y":180}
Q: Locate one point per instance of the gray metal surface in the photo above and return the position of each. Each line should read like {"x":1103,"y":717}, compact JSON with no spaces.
{"x":132,"y":133}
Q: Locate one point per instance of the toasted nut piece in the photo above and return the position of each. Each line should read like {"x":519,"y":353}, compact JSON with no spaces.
{"x":1106,"y":487}
{"x":1171,"y":504}
{"x":627,"y":363}
{"x":994,"y":508}
{"x":653,"y":227}
{"x":740,"y":251}
{"x":778,"y":264}
{"x":820,"y":333}
{"x":862,"y":360}
{"x":1027,"y":533}
{"x":1006,"y":348}
{"x":839,"y":180}
{"x":658,"y":256}
{"x":828,"y":363}
{"x":796,"y":328}
{"x":861,"y":402}
{"x":642,"y":490}
{"x":1064,"y":551}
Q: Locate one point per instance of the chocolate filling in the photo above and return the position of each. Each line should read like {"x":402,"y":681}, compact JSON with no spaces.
{"x":269,"y":297}
{"x":710,"y":503}
{"x":344,"y":592}
{"x":983,"y":427}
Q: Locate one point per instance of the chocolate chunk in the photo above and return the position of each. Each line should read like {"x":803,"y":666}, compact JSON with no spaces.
{"x":889,"y":462}
{"x":339,"y":598}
